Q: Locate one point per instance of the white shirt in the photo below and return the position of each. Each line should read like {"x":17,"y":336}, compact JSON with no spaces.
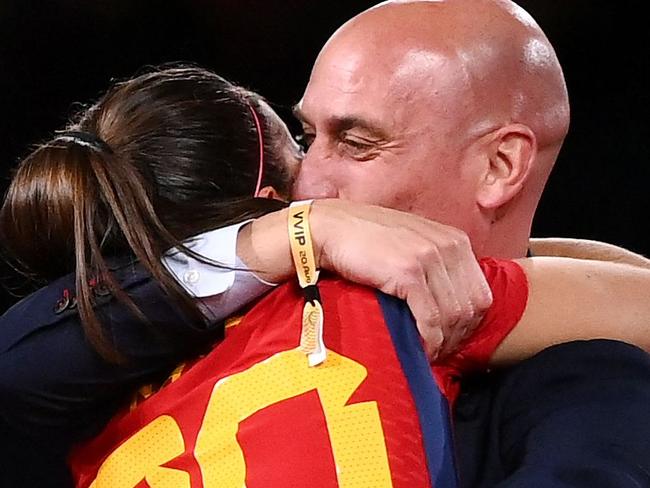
{"x":222,"y":285}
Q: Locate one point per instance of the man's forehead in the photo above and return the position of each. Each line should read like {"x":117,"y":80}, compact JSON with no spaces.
{"x":380,"y":92}
{"x":371,"y":108}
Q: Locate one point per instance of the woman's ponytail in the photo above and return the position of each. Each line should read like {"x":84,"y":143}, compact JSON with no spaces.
{"x":72,"y":203}
{"x":159,"y":158}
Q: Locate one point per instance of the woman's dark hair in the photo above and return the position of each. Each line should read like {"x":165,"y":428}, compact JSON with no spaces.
{"x":158,"y":158}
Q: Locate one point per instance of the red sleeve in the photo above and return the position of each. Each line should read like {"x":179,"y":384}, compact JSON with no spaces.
{"x":510,"y":294}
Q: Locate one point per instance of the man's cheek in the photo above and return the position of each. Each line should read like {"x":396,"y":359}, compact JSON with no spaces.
{"x":366,"y":184}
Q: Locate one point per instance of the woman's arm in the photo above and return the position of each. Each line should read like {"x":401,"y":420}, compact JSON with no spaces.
{"x":572,"y":299}
{"x":429,"y":265}
{"x":586,"y":249}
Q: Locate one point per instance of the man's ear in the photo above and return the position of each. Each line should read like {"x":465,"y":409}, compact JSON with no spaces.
{"x":269,"y":192}
{"x":511,"y":153}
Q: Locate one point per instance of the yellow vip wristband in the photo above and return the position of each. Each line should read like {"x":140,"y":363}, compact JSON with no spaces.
{"x":302,"y":248}
{"x":302,"y":251}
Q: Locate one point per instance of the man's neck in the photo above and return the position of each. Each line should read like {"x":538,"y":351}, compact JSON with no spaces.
{"x":506,"y":241}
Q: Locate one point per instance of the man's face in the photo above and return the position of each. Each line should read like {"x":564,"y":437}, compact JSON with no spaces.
{"x":382,"y":131}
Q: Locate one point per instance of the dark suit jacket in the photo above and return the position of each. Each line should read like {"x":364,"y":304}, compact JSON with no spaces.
{"x":575,"y":415}
{"x":79,"y":390}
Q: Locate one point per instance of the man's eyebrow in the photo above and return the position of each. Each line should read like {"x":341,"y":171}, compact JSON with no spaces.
{"x":356,"y":122}
{"x":345,"y":122}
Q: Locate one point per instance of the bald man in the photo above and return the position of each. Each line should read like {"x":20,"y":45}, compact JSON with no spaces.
{"x":456,"y":110}
{"x":453,"y":110}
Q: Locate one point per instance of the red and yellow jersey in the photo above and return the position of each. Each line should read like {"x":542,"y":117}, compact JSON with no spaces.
{"x":252,"y":413}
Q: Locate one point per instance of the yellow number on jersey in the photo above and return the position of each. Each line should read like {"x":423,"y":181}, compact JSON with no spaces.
{"x":142,"y":457}
{"x":355,"y":430}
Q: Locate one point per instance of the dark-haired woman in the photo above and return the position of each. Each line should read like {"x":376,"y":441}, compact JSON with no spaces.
{"x":159,"y":159}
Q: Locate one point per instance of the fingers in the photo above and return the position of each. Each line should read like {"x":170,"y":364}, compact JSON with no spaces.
{"x":440,"y":286}
{"x":454,"y":281}
{"x":427,"y":319}
{"x":447,"y":278}
{"x":430,"y":265}
{"x":471,"y":292}
{"x":432,"y":294}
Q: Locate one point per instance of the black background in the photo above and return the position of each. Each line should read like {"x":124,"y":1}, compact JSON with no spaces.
{"x":56,"y":53}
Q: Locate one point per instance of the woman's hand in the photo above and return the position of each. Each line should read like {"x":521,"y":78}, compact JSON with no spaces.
{"x":429,"y":265}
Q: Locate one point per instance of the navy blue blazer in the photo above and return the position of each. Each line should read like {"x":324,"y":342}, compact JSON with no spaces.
{"x":575,"y":415}
{"x":79,"y":390}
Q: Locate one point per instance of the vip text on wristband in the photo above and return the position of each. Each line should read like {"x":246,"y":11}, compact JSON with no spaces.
{"x":302,"y":252}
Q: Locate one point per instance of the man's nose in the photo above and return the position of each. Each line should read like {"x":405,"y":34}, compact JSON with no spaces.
{"x":314,"y":179}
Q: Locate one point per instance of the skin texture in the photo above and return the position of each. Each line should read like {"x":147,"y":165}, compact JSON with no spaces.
{"x":599,"y":299}
{"x":454,"y":110}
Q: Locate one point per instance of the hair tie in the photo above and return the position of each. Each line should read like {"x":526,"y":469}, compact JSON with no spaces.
{"x":260,"y":139}
{"x":85,"y":139}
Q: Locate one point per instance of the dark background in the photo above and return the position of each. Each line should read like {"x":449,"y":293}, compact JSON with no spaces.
{"x":58,"y":52}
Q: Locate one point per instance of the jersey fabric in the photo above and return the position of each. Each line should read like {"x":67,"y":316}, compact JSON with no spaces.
{"x":253,"y":413}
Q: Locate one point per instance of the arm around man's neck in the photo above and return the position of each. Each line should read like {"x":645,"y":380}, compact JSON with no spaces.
{"x":586,"y":249}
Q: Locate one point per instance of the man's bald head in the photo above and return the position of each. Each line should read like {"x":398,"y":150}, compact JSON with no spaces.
{"x":498,"y":55}
{"x":474,"y":83}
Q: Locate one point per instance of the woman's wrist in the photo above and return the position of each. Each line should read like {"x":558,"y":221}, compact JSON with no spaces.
{"x":263,"y":247}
